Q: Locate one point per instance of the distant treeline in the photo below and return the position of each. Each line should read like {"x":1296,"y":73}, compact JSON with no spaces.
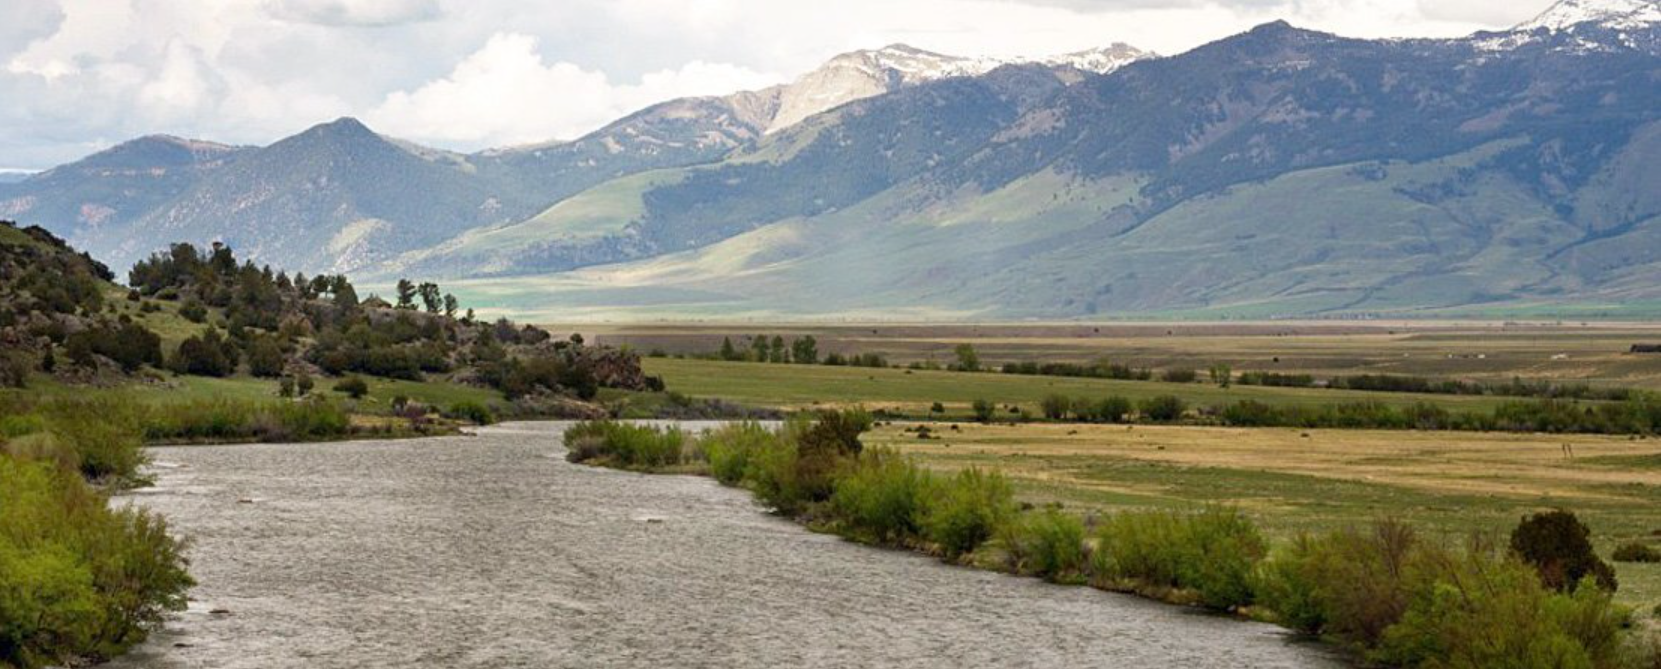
{"x":1639,"y":415}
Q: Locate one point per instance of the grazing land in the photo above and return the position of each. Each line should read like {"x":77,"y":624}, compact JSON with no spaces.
{"x":1289,"y":480}
{"x":1595,"y":353}
{"x":1292,"y":481}
{"x":908,"y":391}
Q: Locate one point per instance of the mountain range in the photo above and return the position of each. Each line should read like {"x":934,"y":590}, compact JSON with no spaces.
{"x":1280,"y":172}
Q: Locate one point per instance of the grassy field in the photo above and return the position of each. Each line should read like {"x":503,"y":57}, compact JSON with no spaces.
{"x":1595,"y":353}
{"x":913,"y":391}
{"x":1292,"y":480}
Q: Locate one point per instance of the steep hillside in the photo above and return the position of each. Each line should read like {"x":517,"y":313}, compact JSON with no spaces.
{"x":95,"y":202}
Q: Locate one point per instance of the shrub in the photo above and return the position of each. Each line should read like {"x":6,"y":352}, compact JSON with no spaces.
{"x":1112,"y":409}
{"x":1476,"y":608}
{"x":473,"y":412}
{"x":77,"y":578}
{"x":1048,"y":544}
{"x":1559,"y":547}
{"x":772,"y":473}
{"x":881,"y":498}
{"x":984,"y":409}
{"x":1634,"y":551}
{"x":1180,"y":376}
{"x":1213,"y":553}
{"x":625,"y":445}
{"x":968,"y":509}
{"x":265,"y":358}
{"x":353,"y":386}
{"x":1164,"y":408}
{"x":937,"y":408}
{"x":823,"y":445}
{"x":733,"y":448}
{"x":1348,"y":585}
{"x":1055,"y":407}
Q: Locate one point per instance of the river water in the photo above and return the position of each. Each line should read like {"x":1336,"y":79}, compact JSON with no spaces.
{"x":492,"y":551}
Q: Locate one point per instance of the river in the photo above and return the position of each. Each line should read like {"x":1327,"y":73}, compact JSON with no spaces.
{"x":492,"y":551}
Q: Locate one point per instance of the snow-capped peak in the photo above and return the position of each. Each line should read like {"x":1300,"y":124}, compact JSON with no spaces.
{"x":1616,"y":14}
{"x":870,"y":72}
{"x":1100,"y":61}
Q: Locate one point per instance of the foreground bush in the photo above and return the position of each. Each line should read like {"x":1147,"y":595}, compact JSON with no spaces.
{"x":1403,"y":602}
{"x":1213,"y":553}
{"x":78,"y":581}
{"x":734,"y":449}
{"x":1048,"y":544}
{"x":882,"y":498}
{"x":967,"y":510}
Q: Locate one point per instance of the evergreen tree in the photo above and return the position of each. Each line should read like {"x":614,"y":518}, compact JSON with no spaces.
{"x":727,"y":351}
{"x":406,"y":294}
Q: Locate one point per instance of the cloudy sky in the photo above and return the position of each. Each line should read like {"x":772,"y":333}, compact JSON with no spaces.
{"x":79,"y":75}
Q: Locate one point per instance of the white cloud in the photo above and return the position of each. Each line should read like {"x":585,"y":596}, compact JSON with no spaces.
{"x":505,"y":94}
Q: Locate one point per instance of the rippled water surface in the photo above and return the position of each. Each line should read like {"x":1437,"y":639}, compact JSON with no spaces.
{"x":492,"y":551}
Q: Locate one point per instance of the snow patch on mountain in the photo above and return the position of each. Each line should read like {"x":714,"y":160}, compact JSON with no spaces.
{"x":871,"y":72}
{"x":1614,"y":14}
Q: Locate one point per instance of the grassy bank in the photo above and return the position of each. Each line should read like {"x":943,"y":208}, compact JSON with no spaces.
{"x":79,"y":581}
{"x":1392,"y":595}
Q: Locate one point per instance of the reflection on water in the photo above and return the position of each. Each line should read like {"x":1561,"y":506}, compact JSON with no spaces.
{"x":492,"y":551}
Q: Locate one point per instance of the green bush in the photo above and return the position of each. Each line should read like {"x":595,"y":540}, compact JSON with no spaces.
{"x":1477,"y":608}
{"x":771,"y":472}
{"x":1349,"y":585}
{"x":968,"y":509}
{"x":1112,"y":409}
{"x":1213,"y":553}
{"x":473,"y":412}
{"x":733,"y":448}
{"x":78,"y":580}
{"x":625,"y":445}
{"x":1403,"y":602}
{"x":353,"y":386}
{"x":881,"y":498}
{"x":984,"y":410}
{"x":1164,"y":408}
{"x":1634,"y":551}
{"x":1048,"y":544}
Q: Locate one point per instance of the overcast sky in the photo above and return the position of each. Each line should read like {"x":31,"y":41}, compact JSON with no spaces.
{"x":79,"y":75}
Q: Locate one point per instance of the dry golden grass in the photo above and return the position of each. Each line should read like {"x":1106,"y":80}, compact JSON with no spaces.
{"x":1449,"y":483}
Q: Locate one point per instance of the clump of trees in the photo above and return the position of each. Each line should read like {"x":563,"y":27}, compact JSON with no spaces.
{"x":281,"y":325}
